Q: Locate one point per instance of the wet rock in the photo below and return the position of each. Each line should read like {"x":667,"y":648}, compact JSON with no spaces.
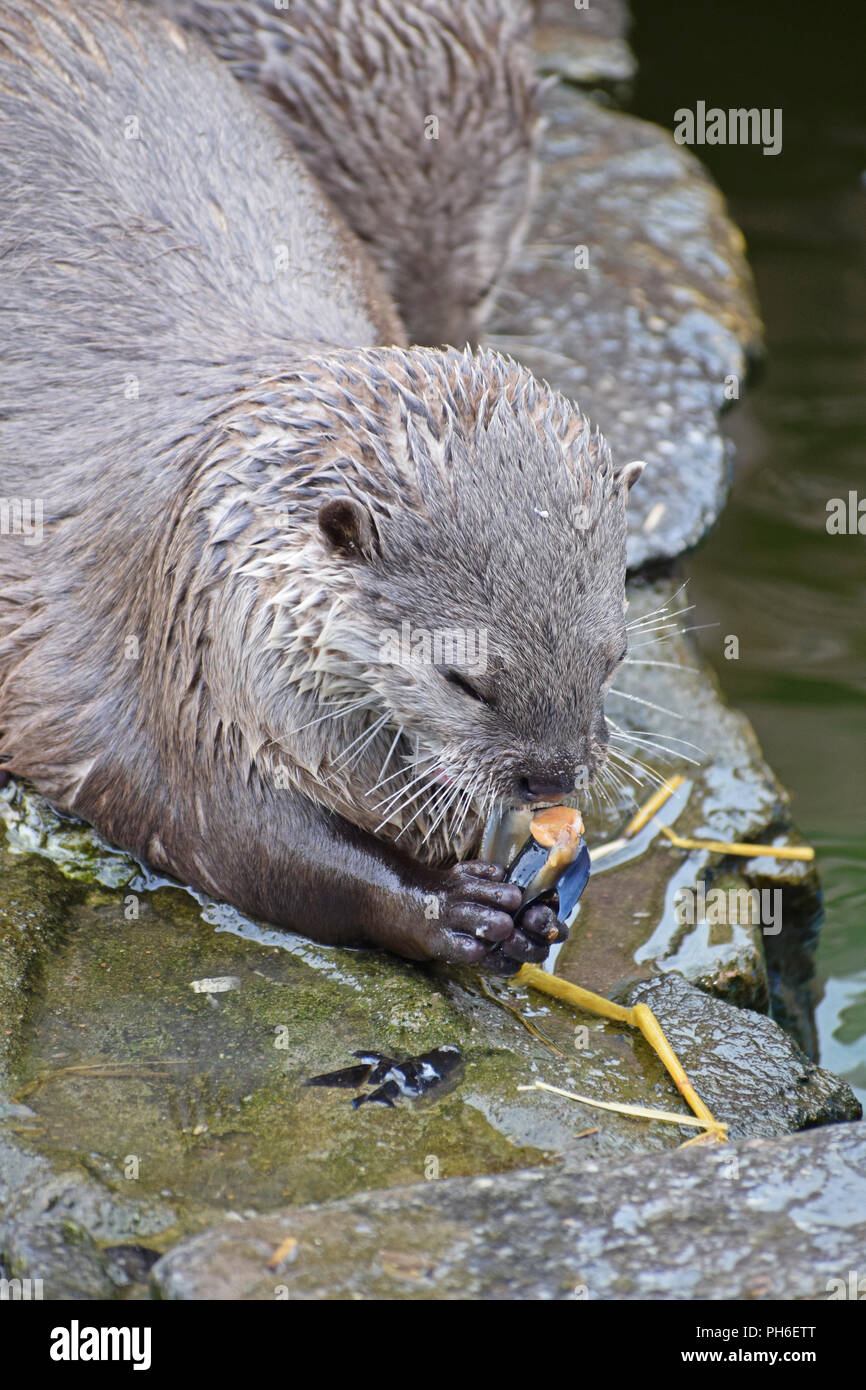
{"x":52,"y":1217}
{"x":35,"y":900}
{"x":199,"y":1098}
{"x":123,"y":1062}
{"x":750,"y":1074}
{"x":61,"y":1255}
{"x":128,"y":1265}
{"x":775,"y":1219}
{"x":653,"y":333}
{"x":34,"y":827}
{"x":715,"y":919}
{"x":790,"y":954}
{"x":53,"y":1224}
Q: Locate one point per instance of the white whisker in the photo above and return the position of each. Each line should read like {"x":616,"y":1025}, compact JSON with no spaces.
{"x":387,"y":802}
{"x":656,"y":734}
{"x":419,"y":811}
{"x":652,"y":746}
{"x":663,"y":608}
{"x":623,"y":791}
{"x":631,"y":764}
{"x":388,"y":757}
{"x":632,"y":761}
{"x":638,"y":781}
{"x":367,"y":735}
{"x":335,"y":713}
{"x":465,"y":806}
{"x":394,"y":811}
{"x":401,"y":771}
{"x":671,"y":665}
{"x":696,"y":627}
{"x":663,"y":620}
{"x":444,"y":808}
{"x":636,"y":699}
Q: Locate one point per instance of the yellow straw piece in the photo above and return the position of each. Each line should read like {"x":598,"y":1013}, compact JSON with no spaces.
{"x":655,"y":803}
{"x":652,"y":1031}
{"x":283,"y":1250}
{"x":521,"y":1018}
{"x":801,"y":852}
{"x":706,"y":1136}
{"x":571,"y":994}
{"x":641,"y":1016}
{"x":610,"y":847}
{"x":640,"y":1112}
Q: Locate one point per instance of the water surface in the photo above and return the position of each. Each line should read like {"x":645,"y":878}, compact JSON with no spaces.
{"x":771,"y":573}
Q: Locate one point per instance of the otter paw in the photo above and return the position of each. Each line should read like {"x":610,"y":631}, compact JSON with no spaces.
{"x":535,"y":931}
{"x":476,"y":912}
{"x":479,"y":923}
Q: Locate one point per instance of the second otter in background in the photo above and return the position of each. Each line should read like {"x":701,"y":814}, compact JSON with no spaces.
{"x":417,"y":117}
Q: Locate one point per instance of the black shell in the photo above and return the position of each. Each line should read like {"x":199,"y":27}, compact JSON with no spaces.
{"x":567,"y":888}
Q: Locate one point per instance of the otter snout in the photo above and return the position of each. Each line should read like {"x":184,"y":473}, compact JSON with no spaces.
{"x":546,"y":787}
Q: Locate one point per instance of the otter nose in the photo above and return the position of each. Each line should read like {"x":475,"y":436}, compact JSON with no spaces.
{"x":545,"y":788}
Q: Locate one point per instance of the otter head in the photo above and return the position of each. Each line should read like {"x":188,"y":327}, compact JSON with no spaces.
{"x":484,"y":603}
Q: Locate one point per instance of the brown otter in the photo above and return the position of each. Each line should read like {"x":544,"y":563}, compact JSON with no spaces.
{"x":417,"y":117}
{"x":244,"y":498}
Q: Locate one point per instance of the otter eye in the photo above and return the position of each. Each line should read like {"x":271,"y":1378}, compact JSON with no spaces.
{"x":457,"y":678}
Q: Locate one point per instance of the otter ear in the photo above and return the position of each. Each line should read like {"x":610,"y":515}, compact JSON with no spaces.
{"x":625,"y":478}
{"x":348,"y":527}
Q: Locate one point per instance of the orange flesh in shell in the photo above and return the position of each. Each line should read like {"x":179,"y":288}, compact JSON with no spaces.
{"x":558,"y":825}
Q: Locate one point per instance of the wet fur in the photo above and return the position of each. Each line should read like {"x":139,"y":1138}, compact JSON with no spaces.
{"x":165,"y":648}
{"x":354,"y":83}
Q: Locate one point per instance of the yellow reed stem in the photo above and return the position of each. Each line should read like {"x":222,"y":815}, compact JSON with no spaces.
{"x":641,"y":1016}
{"x":521,"y":1018}
{"x":654,"y":804}
{"x":801,"y":852}
{"x":638,"y":1112}
{"x":610,"y":847}
{"x":652,"y":1031}
{"x":706,"y":1136}
{"x":571,"y":994}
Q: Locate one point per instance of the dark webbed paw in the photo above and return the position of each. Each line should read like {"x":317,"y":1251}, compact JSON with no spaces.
{"x":477,"y":924}
{"x":535,"y":932}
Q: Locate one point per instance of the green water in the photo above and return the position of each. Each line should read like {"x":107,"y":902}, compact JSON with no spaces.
{"x":793,"y":594}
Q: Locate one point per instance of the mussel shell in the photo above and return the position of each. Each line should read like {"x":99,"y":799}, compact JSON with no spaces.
{"x":528,"y":862}
{"x":506,"y":833}
{"x":572,"y":882}
{"x":507,"y":840}
{"x":532,"y":858}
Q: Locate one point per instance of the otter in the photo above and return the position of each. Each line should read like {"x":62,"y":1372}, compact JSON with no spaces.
{"x":248,"y":484}
{"x":419,"y":118}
